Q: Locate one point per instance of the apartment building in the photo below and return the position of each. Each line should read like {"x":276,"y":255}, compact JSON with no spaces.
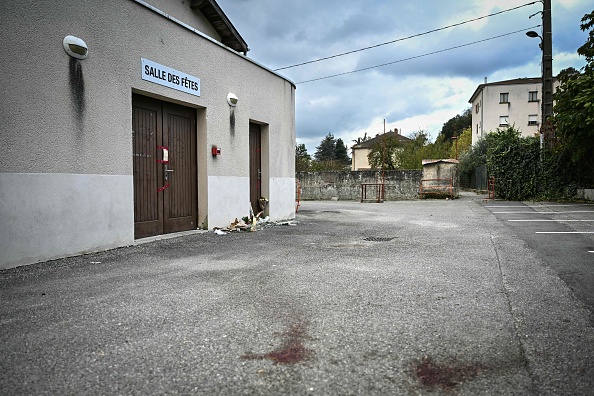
{"x":500,"y":104}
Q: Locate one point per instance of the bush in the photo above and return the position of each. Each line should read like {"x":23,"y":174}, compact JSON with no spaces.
{"x":514,"y":162}
{"x":522,"y":170}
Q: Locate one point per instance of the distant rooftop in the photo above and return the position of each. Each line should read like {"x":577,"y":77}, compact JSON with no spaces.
{"x":378,"y":138}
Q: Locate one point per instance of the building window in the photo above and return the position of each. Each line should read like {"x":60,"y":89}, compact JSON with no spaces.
{"x":533,"y":96}
{"x":503,"y":121}
{"x":504,"y":97}
{"x":533,"y":119}
{"x":476,"y":108}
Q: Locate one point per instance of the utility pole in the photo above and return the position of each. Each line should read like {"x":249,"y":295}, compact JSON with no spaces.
{"x":547,"y":64}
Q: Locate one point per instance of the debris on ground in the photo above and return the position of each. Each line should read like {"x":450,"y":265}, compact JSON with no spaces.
{"x":263,"y":202}
{"x":287,"y":222}
{"x":251,"y":223}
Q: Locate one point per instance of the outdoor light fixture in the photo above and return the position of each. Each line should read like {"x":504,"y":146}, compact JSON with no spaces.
{"x":232,"y":99}
{"x":75,"y":47}
{"x":533,"y":34}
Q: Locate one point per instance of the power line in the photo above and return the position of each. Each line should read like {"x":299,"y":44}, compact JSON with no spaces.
{"x":404,"y":38}
{"x":419,"y":56}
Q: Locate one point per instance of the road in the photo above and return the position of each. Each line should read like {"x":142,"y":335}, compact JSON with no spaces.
{"x":411,"y":297}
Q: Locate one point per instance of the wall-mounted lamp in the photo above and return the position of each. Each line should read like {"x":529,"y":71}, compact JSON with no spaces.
{"x":75,"y":47}
{"x":232,"y":99}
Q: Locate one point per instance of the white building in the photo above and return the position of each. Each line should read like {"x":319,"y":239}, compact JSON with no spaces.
{"x":164,"y":126}
{"x":360,"y":151}
{"x":507,"y":103}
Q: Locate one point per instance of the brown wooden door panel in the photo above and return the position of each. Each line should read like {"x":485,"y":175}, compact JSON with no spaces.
{"x":158,"y":124}
{"x":180,"y":198}
{"x":146,"y":133}
{"x":255,"y":166}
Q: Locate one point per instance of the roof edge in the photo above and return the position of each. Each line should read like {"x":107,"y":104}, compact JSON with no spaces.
{"x":199,"y":33}
{"x":370,"y":142}
{"x":513,"y":81}
{"x":225,"y":28}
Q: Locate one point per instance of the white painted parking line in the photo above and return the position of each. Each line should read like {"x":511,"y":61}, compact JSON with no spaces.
{"x":564,"y":232}
{"x":523,"y":206}
{"x":557,"y":220}
{"x":567,"y":211}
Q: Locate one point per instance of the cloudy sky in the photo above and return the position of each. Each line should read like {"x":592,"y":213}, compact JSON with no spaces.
{"x":421,"y":93}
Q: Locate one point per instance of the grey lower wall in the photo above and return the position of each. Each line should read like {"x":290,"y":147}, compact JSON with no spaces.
{"x":399,"y":184}
{"x":52,"y":215}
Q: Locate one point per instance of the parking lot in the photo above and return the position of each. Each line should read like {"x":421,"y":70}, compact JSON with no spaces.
{"x":409,"y":297}
{"x":562,"y":235}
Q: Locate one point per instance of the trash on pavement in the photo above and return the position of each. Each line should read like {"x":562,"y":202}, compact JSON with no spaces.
{"x":252,"y":222}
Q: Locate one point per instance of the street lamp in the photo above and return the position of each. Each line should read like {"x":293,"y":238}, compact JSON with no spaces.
{"x":533,"y":34}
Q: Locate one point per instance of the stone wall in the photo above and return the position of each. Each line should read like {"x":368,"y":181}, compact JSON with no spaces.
{"x":399,"y":184}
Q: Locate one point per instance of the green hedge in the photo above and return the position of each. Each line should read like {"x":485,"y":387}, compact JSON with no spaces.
{"x":524,"y":171}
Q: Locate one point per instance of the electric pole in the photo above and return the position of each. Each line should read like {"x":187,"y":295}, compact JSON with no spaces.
{"x":547,"y":63}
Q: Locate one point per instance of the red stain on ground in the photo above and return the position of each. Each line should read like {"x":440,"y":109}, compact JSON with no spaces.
{"x":444,"y":376}
{"x":292,"y":351}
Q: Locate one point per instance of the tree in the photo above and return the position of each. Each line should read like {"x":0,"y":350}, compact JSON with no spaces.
{"x":421,"y":148}
{"x":341,"y":153}
{"x":388,"y":158}
{"x":514,"y":162}
{"x":573,"y":120}
{"x":412,"y":155}
{"x":326,"y":151}
{"x":360,"y":140}
{"x":302,"y":158}
{"x":409,"y":154}
{"x":475,"y":156}
{"x":331,"y":154}
{"x":463,"y":143}
{"x":455,"y":125}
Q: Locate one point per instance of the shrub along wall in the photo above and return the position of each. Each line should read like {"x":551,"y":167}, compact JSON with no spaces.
{"x":524,"y":171}
{"x":399,"y":184}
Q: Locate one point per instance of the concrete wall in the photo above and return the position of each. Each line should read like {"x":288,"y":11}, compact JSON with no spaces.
{"x":441,"y":170}
{"x":586,"y":193}
{"x":66,"y":123}
{"x":400,"y":184}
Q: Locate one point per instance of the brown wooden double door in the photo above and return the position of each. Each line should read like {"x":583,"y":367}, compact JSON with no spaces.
{"x":255,"y":166}
{"x":164,"y":158}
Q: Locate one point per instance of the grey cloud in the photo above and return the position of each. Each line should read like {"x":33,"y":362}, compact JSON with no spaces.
{"x":283,"y":32}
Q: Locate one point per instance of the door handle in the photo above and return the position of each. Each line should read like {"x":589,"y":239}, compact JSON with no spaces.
{"x":167,"y":172}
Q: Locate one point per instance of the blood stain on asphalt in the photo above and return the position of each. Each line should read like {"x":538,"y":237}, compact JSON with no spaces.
{"x":434,"y":375}
{"x":292,"y":350}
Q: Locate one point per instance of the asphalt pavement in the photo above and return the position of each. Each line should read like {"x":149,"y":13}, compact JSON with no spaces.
{"x":561,"y":234}
{"x":408,"y":297}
